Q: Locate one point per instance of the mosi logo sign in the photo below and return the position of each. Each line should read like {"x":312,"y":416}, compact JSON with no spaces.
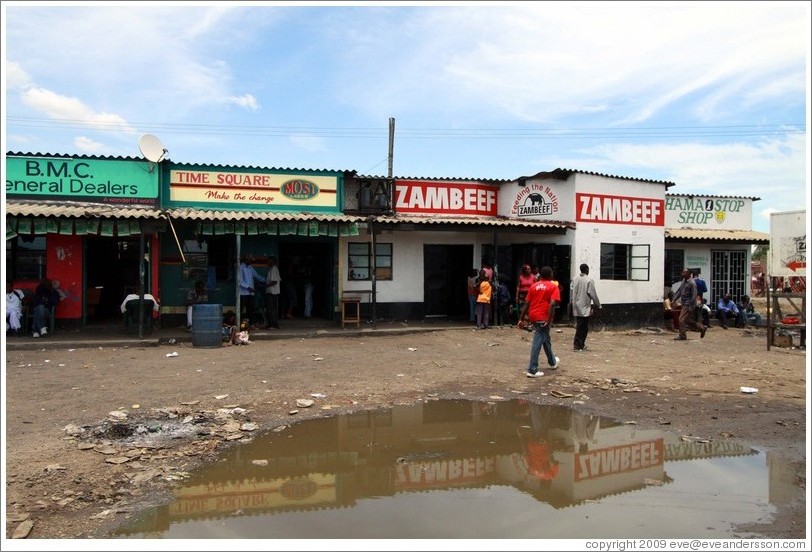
{"x":299,"y":189}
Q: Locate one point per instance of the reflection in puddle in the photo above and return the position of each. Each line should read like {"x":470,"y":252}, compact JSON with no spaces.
{"x":465,"y":469}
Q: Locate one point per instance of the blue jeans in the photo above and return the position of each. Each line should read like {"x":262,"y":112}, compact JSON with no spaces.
{"x":472,"y":304}
{"x":541,"y":340}
{"x":42,"y":315}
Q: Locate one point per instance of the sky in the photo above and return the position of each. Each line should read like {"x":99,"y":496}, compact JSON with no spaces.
{"x":711,"y":96}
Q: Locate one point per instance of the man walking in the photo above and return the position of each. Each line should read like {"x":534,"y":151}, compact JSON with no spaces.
{"x":687,"y":294}
{"x":542,"y":298}
{"x":584,"y":297}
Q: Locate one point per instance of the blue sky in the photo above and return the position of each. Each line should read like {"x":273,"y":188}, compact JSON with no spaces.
{"x":709,"y":95}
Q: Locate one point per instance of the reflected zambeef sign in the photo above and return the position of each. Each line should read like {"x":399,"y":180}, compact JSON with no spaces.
{"x":379,"y":473}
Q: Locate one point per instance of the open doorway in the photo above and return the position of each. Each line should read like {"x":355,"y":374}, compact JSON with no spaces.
{"x":111,"y":271}
{"x":302,"y":264}
{"x":445,"y":287}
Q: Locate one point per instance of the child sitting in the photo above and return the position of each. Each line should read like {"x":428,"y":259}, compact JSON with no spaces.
{"x":229,"y":327}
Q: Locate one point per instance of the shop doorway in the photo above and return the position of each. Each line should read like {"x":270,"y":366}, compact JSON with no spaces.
{"x":556,"y":257}
{"x":445,"y":272}
{"x":303,"y":262}
{"x":111,"y":271}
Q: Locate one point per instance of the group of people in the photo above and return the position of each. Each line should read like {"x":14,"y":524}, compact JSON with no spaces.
{"x":41,"y":303}
{"x":275,"y":288}
{"x":689,"y":308}
{"x":482,"y":289}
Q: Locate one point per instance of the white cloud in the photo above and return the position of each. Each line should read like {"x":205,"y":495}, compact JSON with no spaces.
{"x":73,"y":112}
{"x":89,"y":146}
{"x":247,"y":101}
{"x":16,"y":77}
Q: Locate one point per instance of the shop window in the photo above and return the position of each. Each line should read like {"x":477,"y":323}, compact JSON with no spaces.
{"x":25,"y":258}
{"x":360,"y":261}
{"x":620,"y":261}
{"x":208,"y":260}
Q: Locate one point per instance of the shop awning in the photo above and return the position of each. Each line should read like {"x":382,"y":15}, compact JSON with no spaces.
{"x":54,"y":217}
{"x":274,"y":223}
{"x":733,"y":236}
{"x":559,"y":227}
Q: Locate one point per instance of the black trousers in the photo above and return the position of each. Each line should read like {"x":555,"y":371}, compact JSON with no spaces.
{"x":581,"y":331}
{"x":272,"y":308}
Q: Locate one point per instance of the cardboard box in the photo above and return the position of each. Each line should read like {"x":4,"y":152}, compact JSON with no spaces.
{"x":782,"y":340}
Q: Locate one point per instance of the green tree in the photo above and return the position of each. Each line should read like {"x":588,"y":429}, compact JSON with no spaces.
{"x":760,"y":252}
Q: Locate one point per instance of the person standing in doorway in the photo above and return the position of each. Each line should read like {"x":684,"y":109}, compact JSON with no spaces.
{"x":273,"y":288}
{"x":687,"y":295}
{"x":542,"y":298}
{"x":248,"y":276}
{"x":483,"y":301}
{"x":584,"y":299}
{"x":473,"y":291}
{"x":525,"y":280}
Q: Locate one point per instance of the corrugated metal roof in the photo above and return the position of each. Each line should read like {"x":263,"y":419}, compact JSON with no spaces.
{"x":441,"y":179}
{"x":474,"y":221}
{"x":563,"y":174}
{"x":74,"y":156}
{"x":715,"y":196}
{"x":68,"y":209}
{"x":694,"y":234}
{"x":169,"y":161}
{"x":207,"y":214}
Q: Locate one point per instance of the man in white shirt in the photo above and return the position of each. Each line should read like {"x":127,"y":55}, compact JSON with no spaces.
{"x":272,"y":290}
{"x":14,"y":309}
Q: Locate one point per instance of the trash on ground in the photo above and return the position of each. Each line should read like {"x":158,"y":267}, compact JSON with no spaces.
{"x":172,"y":354}
{"x":749,"y":390}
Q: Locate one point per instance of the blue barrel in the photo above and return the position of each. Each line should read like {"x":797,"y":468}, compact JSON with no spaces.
{"x":207,"y":324}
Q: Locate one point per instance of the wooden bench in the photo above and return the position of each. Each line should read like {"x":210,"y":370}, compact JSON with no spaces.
{"x":783,"y":306}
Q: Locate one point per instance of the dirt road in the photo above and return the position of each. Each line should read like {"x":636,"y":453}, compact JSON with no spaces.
{"x":59,"y":487}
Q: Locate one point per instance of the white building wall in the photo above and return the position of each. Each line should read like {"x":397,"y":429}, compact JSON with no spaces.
{"x":407,"y":261}
{"x":589,"y":236}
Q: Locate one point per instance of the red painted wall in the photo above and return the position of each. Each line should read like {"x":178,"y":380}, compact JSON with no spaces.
{"x":64,"y":255}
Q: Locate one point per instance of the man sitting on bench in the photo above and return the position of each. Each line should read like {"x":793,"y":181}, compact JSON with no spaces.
{"x":129,"y":307}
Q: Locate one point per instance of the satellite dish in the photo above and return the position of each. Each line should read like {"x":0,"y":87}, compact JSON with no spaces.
{"x":152,"y":148}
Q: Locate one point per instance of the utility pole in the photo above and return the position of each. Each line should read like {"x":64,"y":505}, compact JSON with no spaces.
{"x":374,"y":267}
{"x":391,"y":143}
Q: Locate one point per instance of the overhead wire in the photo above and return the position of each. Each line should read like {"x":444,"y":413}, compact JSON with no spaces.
{"x":406,"y":133}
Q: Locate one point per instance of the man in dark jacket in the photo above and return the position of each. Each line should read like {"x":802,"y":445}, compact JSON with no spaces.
{"x":45,"y":299}
{"x":687,"y":294}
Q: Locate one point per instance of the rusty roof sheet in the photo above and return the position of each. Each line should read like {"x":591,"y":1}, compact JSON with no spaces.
{"x":474,"y":221}
{"x":563,"y":174}
{"x":695,"y":234}
{"x":79,"y":209}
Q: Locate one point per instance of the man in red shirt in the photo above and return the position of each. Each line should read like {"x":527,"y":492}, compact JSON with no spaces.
{"x":542,"y":298}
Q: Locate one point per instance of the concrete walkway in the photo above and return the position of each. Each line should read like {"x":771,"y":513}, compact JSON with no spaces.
{"x":116,"y":336}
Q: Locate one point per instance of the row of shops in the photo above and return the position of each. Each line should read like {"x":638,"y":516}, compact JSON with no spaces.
{"x":100,"y":226}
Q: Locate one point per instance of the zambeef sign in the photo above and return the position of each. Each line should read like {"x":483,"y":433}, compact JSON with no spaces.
{"x":445,"y":198}
{"x":608,"y":209}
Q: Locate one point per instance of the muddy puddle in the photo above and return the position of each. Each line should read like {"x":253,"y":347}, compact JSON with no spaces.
{"x":468,"y":469}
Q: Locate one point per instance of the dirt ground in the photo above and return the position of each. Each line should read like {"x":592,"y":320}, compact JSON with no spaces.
{"x":59,"y":487}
